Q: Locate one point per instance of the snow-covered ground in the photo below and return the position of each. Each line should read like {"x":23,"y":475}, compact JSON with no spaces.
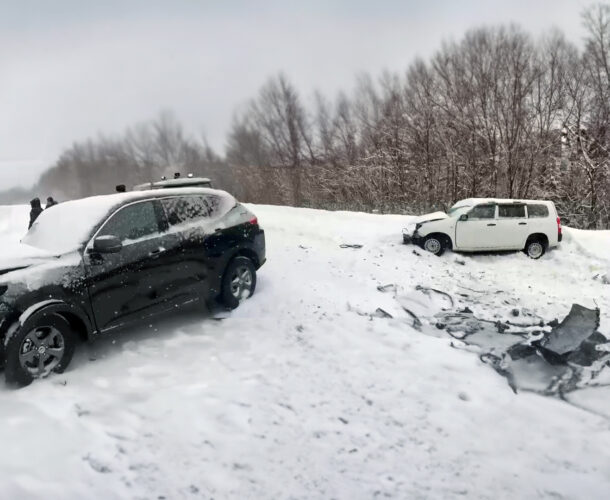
{"x":304,"y":392}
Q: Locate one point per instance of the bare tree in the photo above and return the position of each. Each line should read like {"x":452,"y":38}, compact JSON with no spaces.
{"x":493,"y":114}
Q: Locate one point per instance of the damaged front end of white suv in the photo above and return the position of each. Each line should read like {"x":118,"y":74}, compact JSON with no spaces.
{"x":410,"y":234}
{"x":434,"y":232}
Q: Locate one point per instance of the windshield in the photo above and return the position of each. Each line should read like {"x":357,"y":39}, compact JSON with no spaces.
{"x":459,"y":210}
{"x":66,"y":226}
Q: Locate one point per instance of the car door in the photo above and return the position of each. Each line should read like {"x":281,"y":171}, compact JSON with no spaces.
{"x":478,"y":230}
{"x":512,"y":226}
{"x":539,"y":220}
{"x":190,"y":217}
{"x":139,"y":280}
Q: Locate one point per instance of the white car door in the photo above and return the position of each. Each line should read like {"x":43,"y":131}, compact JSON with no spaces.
{"x":540,"y":220}
{"x":512,"y":228}
{"x":477,"y":231}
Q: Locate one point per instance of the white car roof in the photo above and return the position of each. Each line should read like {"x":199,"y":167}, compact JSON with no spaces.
{"x":179,"y":182}
{"x":468,"y":202}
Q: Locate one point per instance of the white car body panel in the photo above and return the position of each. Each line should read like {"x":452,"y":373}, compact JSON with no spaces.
{"x":475,"y":234}
{"x":497,"y":233}
{"x":410,"y":228}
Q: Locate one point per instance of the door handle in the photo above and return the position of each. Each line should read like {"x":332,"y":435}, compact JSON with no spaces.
{"x":523,"y":223}
{"x":492,"y":224}
{"x":156,"y":253}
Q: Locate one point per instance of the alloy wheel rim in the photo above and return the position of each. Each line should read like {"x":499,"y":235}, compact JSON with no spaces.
{"x":432,"y":245}
{"x":41,"y":350}
{"x":241,"y":283}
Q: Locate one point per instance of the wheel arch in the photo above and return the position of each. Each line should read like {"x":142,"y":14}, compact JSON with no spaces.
{"x":78,"y":319}
{"x":246,"y":252}
{"x":543,"y":238}
{"x":444,"y":237}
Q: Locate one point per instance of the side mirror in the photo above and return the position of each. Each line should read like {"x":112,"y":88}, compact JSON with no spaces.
{"x":107,"y":244}
{"x":464,"y":217}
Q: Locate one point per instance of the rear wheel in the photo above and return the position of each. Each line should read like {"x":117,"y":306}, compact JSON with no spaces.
{"x":535,"y":248}
{"x":238,"y":282}
{"x":435,"y":245}
{"x":43,"y":344}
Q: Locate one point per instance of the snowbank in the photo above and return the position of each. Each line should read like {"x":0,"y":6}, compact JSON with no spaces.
{"x":591,"y":243}
{"x":303,"y":392}
{"x":14,"y":221}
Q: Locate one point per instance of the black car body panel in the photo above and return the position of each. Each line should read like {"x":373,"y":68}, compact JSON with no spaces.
{"x":165,"y":266}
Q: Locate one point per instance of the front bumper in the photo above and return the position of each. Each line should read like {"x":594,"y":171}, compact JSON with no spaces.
{"x":411,"y":237}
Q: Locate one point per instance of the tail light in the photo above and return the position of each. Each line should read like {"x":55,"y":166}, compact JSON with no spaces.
{"x":254,"y":221}
{"x":558,"y":225}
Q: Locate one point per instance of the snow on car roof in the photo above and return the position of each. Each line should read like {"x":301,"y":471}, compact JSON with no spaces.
{"x":474,"y":201}
{"x":168,"y":183}
{"x":66,"y":226}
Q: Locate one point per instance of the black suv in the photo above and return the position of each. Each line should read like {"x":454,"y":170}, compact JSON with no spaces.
{"x":96,"y":264}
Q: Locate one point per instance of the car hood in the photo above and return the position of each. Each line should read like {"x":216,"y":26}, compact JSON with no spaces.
{"x":422,"y":219}
{"x":19,"y":256}
{"x":430,"y":217}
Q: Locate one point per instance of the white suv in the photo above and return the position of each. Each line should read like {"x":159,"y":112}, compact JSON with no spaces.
{"x":480,"y":224}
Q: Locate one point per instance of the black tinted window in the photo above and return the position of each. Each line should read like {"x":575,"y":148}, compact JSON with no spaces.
{"x":537,"y":211}
{"x":132,"y":222}
{"x":511,"y":211}
{"x":187,"y":209}
{"x":482,"y":212}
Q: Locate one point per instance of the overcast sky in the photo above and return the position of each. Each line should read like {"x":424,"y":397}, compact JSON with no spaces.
{"x":70,"y":69}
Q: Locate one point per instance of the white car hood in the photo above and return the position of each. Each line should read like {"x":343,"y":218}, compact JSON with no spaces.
{"x":410,"y":229}
{"x":18,"y":256}
{"x":430,"y":217}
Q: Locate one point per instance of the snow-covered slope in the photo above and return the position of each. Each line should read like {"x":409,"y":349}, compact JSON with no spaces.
{"x":304,"y":392}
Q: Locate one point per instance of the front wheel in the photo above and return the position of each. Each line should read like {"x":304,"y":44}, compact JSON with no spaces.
{"x":43,"y":344}
{"x":238,"y":282}
{"x":435,"y":245}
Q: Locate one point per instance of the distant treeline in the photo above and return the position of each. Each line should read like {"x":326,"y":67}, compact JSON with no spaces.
{"x":495,"y":114}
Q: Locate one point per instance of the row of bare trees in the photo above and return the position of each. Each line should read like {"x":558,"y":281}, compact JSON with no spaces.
{"x":494,"y":114}
{"x":143,"y":153}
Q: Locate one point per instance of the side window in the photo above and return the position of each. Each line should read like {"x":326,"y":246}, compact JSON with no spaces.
{"x":132,"y":222}
{"x":537,"y":211}
{"x":187,"y":209}
{"x":512,"y":211}
{"x":213,"y":203}
{"x":482,"y":212}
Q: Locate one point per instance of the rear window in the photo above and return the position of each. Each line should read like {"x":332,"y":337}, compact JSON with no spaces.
{"x":537,"y":211}
{"x":186,"y":209}
{"x":511,"y":211}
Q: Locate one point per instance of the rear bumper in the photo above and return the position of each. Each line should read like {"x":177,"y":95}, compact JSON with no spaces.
{"x":260,"y":247}
{"x":559,"y":237}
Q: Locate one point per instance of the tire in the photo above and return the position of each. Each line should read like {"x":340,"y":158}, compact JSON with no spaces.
{"x":46,"y":337}
{"x":238,"y":282}
{"x":535,"y":248}
{"x":434,"y":245}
